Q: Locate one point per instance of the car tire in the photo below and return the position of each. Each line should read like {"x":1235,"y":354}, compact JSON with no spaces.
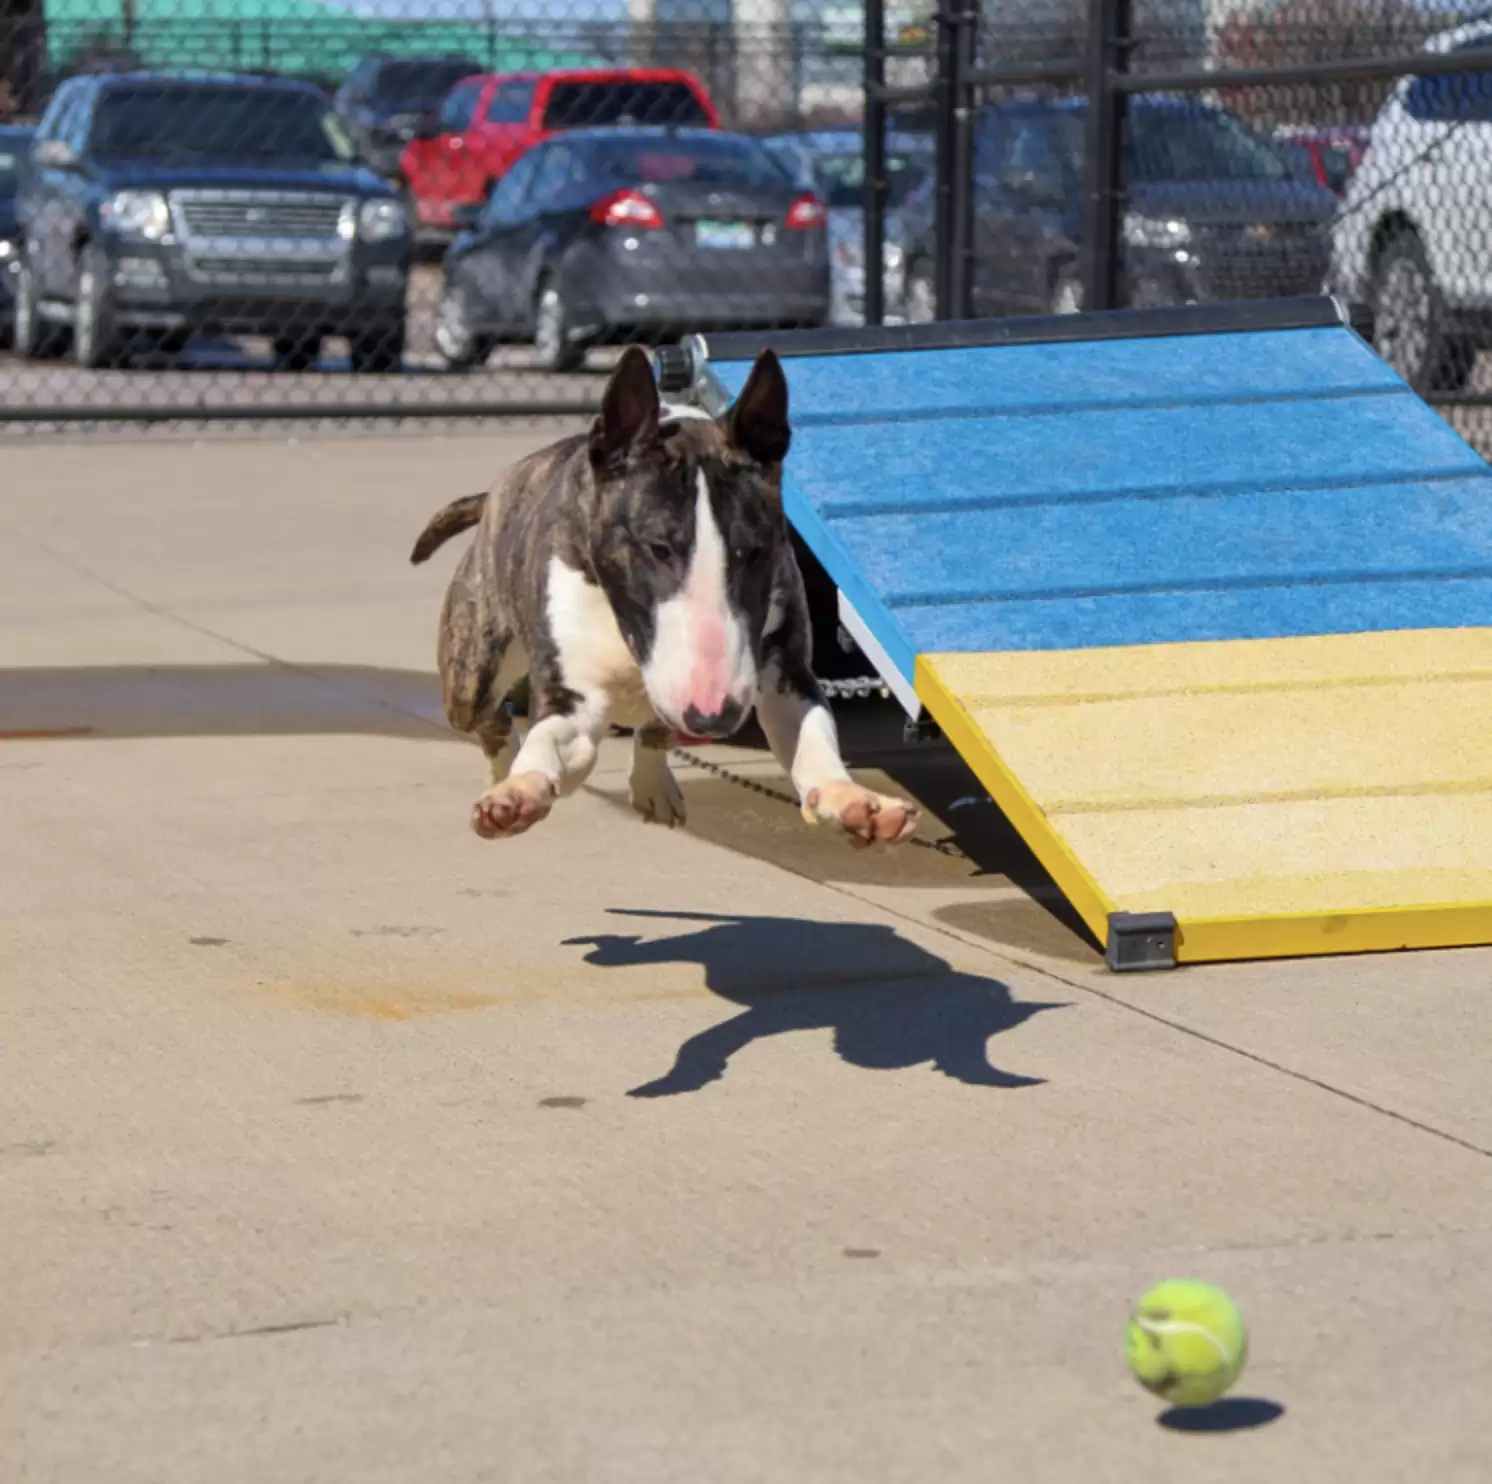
{"x":158,"y":348}
{"x":296,"y":352}
{"x":379,"y":353}
{"x":32,"y":337}
{"x":920,"y":293}
{"x":458,"y":345}
{"x":96,"y":339}
{"x":553,"y":348}
{"x":1067,"y":290}
{"x":1410,"y":321}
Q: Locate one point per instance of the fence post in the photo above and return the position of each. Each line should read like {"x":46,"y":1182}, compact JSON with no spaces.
{"x":874,"y":151}
{"x":1103,"y":147}
{"x":962,"y":210}
{"x":945,"y":214}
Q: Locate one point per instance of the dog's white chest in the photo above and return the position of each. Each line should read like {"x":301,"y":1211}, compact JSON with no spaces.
{"x":593,"y":655}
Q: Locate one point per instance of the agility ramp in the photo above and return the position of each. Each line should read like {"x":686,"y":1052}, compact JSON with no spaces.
{"x":1203,"y":597}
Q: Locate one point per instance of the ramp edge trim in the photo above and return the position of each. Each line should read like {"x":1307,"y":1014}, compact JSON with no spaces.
{"x":1308,"y":934}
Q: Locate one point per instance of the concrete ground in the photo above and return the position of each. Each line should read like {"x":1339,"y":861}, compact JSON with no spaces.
{"x":337,"y":1144}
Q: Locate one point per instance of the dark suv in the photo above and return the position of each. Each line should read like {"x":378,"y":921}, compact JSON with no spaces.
{"x":1214,"y":211}
{"x":160,"y":206}
{"x":385,"y":99}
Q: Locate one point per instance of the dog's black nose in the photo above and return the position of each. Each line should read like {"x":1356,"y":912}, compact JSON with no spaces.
{"x":701,"y":724}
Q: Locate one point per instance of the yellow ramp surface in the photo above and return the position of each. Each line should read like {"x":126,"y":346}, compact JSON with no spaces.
{"x":1320,"y":794}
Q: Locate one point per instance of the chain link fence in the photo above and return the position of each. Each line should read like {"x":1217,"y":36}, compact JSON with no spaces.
{"x":295,"y":209}
{"x":1163,"y":152}
{"x":305,"y":209}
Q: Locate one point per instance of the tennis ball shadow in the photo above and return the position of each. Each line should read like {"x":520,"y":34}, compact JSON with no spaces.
{"x":1231,"y":1414}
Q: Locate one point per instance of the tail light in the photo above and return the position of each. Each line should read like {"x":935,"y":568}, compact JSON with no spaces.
{"x":627,"y":208}
{"x":806,"y":213}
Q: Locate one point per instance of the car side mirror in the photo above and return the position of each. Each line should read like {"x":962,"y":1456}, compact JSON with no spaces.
{"x":466,"y":216}
{"x":55,"y":154}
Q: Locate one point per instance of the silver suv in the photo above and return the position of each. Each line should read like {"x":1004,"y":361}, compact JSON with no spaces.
{"x":1414,"y":235}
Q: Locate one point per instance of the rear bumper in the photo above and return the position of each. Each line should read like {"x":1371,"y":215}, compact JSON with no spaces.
{"x":606,"y":296}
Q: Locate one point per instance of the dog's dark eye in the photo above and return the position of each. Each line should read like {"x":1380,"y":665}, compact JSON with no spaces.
{"x":750,"y":555}
{"x":661,"y":550}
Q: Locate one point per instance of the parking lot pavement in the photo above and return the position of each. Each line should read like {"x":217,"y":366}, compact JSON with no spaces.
{"x":341,"y":1144}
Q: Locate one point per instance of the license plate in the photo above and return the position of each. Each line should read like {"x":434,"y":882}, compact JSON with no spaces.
{"x":724,"y":234}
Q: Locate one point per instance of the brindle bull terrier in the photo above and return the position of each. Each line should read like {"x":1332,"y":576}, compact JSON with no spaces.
{"x":641,"y":574}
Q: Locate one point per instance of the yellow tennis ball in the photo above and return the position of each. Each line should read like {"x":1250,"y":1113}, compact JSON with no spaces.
{"x":1186,"y":1342}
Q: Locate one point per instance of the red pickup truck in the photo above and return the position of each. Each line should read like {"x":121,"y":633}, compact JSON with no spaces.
{"x":485,"y":122}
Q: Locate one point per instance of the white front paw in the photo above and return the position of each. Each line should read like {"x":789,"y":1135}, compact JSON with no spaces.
{"x":867,"y":818}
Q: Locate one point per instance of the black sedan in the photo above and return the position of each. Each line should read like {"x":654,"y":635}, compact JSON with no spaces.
{"x":601,"y":235}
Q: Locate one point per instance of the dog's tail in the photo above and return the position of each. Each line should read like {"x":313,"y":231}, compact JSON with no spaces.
{"x":457,"y":516}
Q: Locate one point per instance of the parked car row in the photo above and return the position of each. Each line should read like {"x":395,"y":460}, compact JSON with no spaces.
{"x":586,"y":205}
{"x":153,"y":208}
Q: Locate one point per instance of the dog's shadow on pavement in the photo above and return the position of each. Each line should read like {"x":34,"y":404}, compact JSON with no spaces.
{"x":889,"y":1003}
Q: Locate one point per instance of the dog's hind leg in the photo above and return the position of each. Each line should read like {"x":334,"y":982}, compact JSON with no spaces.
{"x":654,"y":791}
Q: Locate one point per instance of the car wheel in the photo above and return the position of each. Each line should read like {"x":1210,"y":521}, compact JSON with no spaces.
{"x":921,"y":294}
{"x":1067,"y":290}
{"x":96,"y":339}
{"x":553,"y":348}
{"x":296,"y":352}
{"x":458,"y":343}
{"x":1410,"y":321}
{"x":32,"y":336}
{"x":380,"y":352}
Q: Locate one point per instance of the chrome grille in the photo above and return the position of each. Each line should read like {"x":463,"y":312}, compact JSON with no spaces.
{"x":257,"y":214}
{"x":257,"y":272}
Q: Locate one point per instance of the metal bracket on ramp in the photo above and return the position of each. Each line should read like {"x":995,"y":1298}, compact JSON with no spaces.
{"x":1140,"y":940}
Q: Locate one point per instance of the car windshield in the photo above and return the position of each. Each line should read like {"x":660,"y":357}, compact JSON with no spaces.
{"x":840,"y":178}
{"x":216,"y":123}
{"x":420,"y":83}
{"x":577,"y":105}
{"x":718,"y":162}
{"x":1175,"y":144}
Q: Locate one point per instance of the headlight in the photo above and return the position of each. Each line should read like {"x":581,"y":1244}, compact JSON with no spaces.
{"x":137,"y":214}
{"x":891,"y":256}
{"x":378,"y":221}
{"x":1155,"y":231}
{"x":7,"y":249}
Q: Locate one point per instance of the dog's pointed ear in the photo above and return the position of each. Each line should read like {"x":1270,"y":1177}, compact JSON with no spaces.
{"x":757,"y":421}
{"x":629,"y":410}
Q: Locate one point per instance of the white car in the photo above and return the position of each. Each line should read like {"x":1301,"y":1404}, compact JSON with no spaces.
{"x":831,"y":162}
{"x":1413,"y":238}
